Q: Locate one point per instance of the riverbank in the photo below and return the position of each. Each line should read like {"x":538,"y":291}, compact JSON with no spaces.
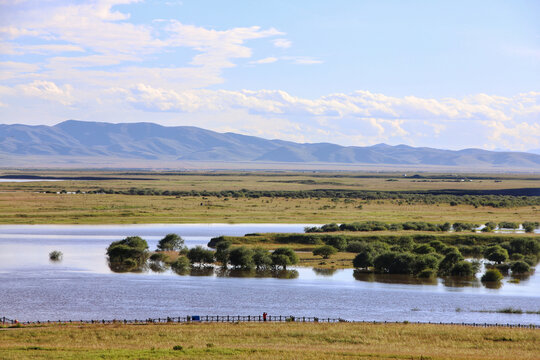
{"x":269,"y":341}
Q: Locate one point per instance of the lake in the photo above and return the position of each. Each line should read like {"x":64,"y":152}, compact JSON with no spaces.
{"x":81,"y":286}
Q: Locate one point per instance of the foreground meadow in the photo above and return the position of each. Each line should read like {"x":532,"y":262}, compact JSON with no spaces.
{"x":269,"y":341}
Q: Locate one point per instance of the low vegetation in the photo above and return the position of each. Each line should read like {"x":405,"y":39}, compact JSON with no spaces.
{"x":56,"y":255}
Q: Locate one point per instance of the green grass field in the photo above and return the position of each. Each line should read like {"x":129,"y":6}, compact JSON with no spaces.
{"x":269,"y":341}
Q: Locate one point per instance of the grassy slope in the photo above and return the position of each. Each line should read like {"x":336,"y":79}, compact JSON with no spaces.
{"x":270,"y":341}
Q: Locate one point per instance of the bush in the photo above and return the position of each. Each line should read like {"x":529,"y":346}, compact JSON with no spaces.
{"x":520,"y":267}
{"x":181,"y":265}
{"x":223,"y":252}
{"x":283,"y":257}
{"x":530,"y":226}
{"x":129,"y":254}
{"x":427,"y":273}
{"x":261,"y":258}
{"x":325,"y":251}
{"x":201,"y":256}
{"x":496,"y":253}
{"x":241,"y":257}
{"x":363,"y":260}
{"x":171,"y":242}
{"x":335,"y":241}
{"x":423,"y":249}
{"x":508,"y":225}
{"x":55,"y":255}
{"x":462,"y":268}
{"x":492,"y":275}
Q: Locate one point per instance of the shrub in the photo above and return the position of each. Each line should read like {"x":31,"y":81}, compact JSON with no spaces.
{"x":171,"y":242}
{"x":363,"y":260}
{"x":223,"y":252}
{"x":335,"y":241}
{"x":325,"y":251}
{"x":508,"y":225}
{"x":496,"y":253}
{"x":530,"y":226}
{"x":492,"y":275}
{"x":462,"y":268}
{"x":427,"y":273}
{"x":426,"y":261}
{"x":181,"y":265}
{"x":55,"y":255}
{"x":241,"y":257}
{"x":423,"y":249}
{"x":283,"y":257}
{"x":520,"y":267}
{"x":201,"y":256}
{"x":129,"y":254}
{"x":261,"y":258}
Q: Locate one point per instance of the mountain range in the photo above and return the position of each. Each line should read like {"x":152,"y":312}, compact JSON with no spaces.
{"x":152,"y":142}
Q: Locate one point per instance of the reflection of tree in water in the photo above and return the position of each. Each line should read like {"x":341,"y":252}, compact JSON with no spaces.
{"x":253,"y":273}
{"x":393,"y":278}
{"x":201,"y":271}
{"x":324,"y":272}
{"x":460,"y":281}
{"x":493,"y":284}
{"x":126,"y":266}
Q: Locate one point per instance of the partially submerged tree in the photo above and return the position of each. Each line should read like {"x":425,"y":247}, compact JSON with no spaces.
{"x":129,"y":254}
{"x":284,"y":256}
{"x":171,"y":242}
{"x":201,"y":256}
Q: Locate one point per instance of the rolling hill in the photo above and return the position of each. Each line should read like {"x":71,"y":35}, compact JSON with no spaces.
{"x":151,"y":142}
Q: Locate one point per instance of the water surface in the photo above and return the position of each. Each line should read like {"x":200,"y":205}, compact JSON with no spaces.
{"x":83,"y":287}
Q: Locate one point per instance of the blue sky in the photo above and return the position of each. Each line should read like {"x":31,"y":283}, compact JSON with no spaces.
{"x":448,"y":74}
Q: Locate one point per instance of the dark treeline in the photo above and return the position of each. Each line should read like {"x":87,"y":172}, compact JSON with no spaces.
{"x":503,"y":198}
{"x":528,"y":226}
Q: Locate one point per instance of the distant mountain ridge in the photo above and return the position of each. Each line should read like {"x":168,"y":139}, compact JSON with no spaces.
{"x":150,"y":141}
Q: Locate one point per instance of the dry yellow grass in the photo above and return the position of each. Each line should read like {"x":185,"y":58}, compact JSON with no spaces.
{"x":270,"y":341}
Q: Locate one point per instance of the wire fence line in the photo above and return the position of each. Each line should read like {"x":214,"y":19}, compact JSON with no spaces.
{"x":248,"y":318}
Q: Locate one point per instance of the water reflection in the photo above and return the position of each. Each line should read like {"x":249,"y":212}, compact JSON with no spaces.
{"x":393,"y":278}
{"x":324,"y":272}
{"x":460,"y":281}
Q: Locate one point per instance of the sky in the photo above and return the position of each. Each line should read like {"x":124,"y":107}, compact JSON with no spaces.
{"x":445,"y":74}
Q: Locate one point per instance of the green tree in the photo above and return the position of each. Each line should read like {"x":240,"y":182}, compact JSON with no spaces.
{"x":181,"y":266}
{"x":284,"y":256}
{"x":241,"y":257}
{"x":363,"y":260}
{"x":325,"y":251}
{"x":261,"y":258}
{"x":171,"y":242}
{"x":200,"y":255}
{"x":462,"y":268}
{"x":129,"y":254}
{"x":223,"y":252}
{"x":496,"y":253}
{"x":520,"y":267}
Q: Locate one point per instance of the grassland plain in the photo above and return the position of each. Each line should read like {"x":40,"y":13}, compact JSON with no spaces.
{"x":28,"y":203}
{"x":269,"y":341}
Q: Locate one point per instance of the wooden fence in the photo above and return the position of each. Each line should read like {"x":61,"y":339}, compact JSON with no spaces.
{"x":245,"y":318}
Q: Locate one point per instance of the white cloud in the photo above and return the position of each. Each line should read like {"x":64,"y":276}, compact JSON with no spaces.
{"x":49,"y":91}
{"x":282,"y":43}
{"x":267,"y":60}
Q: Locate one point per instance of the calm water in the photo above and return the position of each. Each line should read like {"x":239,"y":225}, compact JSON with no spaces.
{"x":83,"y":287}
